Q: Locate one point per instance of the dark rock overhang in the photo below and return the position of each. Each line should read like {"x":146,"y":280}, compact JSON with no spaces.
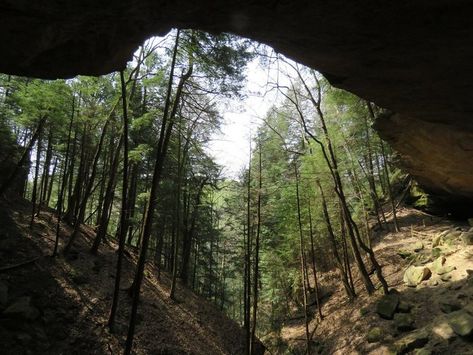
{"x":413,"y":57}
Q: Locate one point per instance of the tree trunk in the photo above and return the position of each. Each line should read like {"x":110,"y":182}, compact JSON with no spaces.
{"x":350,"y":291}
{"x":51,"y":183}
{"x":124,"y":211}
{"x":257,"y":247}
{"x":88,"y":187}
{"x":248,"y":262}
{"x":24,"y":157}
{"x":166,"y":129}
{"x":60,"y":199}
{"x":189,"y":235}
{"x":46,"y":168}
{"x":35,"y":182}
{"x":314,"y":269}
{"x":177,"y":214}
{"x":302,"y":259}
{"x":332,"y":164}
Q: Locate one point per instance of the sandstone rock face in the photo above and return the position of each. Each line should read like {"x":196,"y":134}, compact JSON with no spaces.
{"x":435,"y":153}
{"x":411,"y":57}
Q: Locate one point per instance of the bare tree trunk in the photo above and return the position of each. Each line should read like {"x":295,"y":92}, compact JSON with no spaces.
{"x":314,"y":269}
{"x":166,"y":129}
{"x":332,"y":164}
{"x":35,"y":182}
{"x":390,"y":191}
{"x":302,"y":259}
{"x":257,"y":247}
{"x":24,"y":157}
{"x":108,"y":199}
{"x":73,"y":202}
{"x":60,"y":199}
{"x":46,"y":167}
{"x":124,"y":211}
{"x":88,"y":186}
{"x":350,"y":291}
{"x":51,"y":183}
{"x":177,"y":214}
{"x":248,"y":263}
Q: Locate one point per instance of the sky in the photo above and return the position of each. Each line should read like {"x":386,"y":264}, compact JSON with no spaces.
{"x":231,"y":146}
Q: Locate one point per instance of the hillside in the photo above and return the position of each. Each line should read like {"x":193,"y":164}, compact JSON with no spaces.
{"x":60,"y":305}
{"x":423,"y":316}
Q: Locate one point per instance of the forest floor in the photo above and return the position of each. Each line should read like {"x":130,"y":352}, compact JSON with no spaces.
{"x":61,"y":305}
{"x":346,"y":325}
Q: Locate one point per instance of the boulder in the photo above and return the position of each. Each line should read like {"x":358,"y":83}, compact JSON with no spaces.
{"x":446,"y":277}
{"x":413,"y":340}
{"x":449,"y":306}
{"x":436,"y":252}
{"x":442,"y":329}
{"x":23,"y":309}
{"x":438,"y":263}
{"x":404,"y":307}
{"x":414,"y":275}
{"x":461,"y":322}
{"x":453,"y":234}
{"x":418,"y":246}
{"x":404,"y":253}
{"x":436,"y":241}
{"x":469,"y":308}
{"x":445,"y":269}
{"x":403,"y":322}
{"x":387,"y":305}
{"x":374,"y":335}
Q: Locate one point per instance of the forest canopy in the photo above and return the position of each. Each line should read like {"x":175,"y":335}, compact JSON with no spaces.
{"x":128,"y":153}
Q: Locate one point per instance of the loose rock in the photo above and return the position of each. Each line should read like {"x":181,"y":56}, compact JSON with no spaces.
{"x":461,"y":322}
{"x":418,"y":246}
{"x":374,"y":335}
{"x":436,"y":241}
{"x":449,"y":306}
{"x":443,"y":330}
{"x":404,"y":307}
{"x":414,"y":340}
{"x":438,"y":263}
{"x":446,"y":277}
{"x":404,"y":253}
{"x":445,"y":269}
{"x":387,"y":306}
{"x":414,"y":275}
{"x":403,"y":322}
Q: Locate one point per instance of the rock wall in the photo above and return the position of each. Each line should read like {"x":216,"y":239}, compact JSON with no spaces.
{"x":413,"y":57}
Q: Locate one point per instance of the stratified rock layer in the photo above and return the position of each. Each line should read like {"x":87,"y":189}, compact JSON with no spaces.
{"x":413,"y":57}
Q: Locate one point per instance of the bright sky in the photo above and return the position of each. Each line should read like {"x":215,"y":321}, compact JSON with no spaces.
{"x":231,"y":146}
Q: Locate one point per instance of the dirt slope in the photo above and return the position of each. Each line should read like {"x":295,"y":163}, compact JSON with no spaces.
{"x":344,"y":329}
{"x":60,"y":306}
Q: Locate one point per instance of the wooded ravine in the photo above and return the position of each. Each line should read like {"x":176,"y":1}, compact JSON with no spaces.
{"x":121,"y":233}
